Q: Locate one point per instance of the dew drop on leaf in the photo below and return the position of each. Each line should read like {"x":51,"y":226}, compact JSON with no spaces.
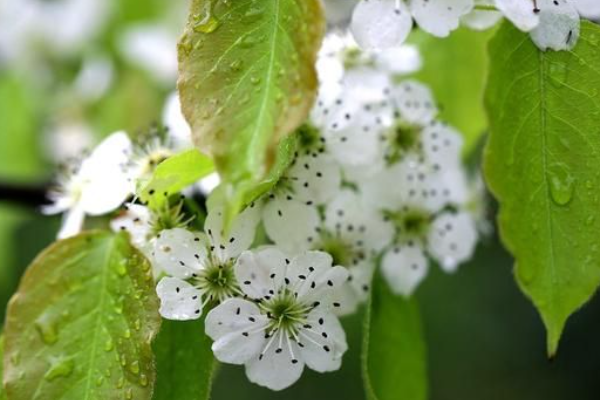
{"x":562,"y":185}
{"x":46,"y":327}
{"x":59,"y":367}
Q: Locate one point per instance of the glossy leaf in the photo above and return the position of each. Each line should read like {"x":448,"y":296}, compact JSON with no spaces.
{"x":81,"y":323}
{"x":175,"y":174}
{"x":247,"y":79}
{"x":185,"y":363}
{"x":456,"y":68}
{"x":394,"y":354}
{"x":542,"y":163}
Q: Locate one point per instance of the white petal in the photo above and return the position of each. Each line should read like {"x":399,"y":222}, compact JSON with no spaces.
{"x":404,"y":268}
{"x":326,"y":331}
{"x":261,"y":272}
{"x":588,"y":8}
{"x":136,"y":221}
{"x":179,"y":300}
{"x":72,"y":222}
{"x":482,"y":20}
{"x":235,"y":326}
{"x":559,"y":25}
{"x":414,"y":102}
{"x":180,"y":253}
{"x":357,"y":143}
{"x":380,"y":24}
{"x":339,"y":11}
{"x":452,"y":239}
{"x":291,"y":224}
{"x":439,"y":17}
{"x":173,"y":119}
{"x":521,"y":13}
{"x":442,"y":145}
{"x":106,"y":184}
{"x":315,"y":177}
{"x":401,"y":60}
{"x":314,"y":278}
{"x":241,"y":233}
{"x":276,"y":370}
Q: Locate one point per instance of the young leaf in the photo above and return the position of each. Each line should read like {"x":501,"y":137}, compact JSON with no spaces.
{"x":247,"y":79}
{"x":175,"y":174}
{"x":184,"y":360}
{"x":81,"y":323}
{"x":542,"y":163}
{"x":394,"y":355}
{"x":455,"y":67}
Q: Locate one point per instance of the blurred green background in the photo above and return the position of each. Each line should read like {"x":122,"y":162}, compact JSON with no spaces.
{"x":485,"y":341}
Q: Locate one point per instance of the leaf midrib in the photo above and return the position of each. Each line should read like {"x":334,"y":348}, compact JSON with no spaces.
{"x":100,"y":307}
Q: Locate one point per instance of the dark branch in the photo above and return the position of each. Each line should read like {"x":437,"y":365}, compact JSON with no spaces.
{"x":28,"y":195}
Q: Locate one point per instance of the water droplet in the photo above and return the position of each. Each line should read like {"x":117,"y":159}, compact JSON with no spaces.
{"x":255,"y":80}
{"x":120,"y":383}
{"x":206,"y":23}
{"x":134,"y":367}
{"x":143,"y":380}
{"x":562,"y":184}
{"x":121,"y":268}
{"x":558,"y":73}
{"x":109,"y":345}
{"x":59,"y":367}
{"x":127,"y":333}
{"x":593,"y":39}
{"x":129,"y":394}
{"x":236,"y":65}
{"x":99,"y":381}
{"x":46,"y":327}
{"x":254,"y":13}
{"x":590,"y":220}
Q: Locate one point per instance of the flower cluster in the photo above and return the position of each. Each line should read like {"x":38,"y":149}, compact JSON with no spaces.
{"x":377,"y":181}
{"x":553,"y":24}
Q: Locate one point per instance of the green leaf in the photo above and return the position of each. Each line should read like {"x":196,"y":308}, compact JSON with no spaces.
{"x":174,"y":174}
{"x":81,"y":323}
{"x":185,"y":362}
{"x":455,"y":68}
{"x":247,"y":79}
{"x":394,"y":354}
{"x":542,"y":163}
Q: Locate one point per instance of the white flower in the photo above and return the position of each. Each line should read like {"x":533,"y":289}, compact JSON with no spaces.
{"x":137,"y":221}
{"x":523,"y":14}
{"x":418,"y":202}
{"x":339,"y":11}
{"x":588,"y":8}
{"x":313,"y":179}
{"x":152,"y":48}
{"x":200,"y":266}
{"x":559,"y":25}
{"x":99,"y":185}
{"x":146,"y":157}
{"x":287,"y":322}
{"x":382,"y":24}
{"x":482,"y":19}
{"x":351,"y":234}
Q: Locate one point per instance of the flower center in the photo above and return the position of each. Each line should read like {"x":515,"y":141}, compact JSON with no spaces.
{"x":343,"y":252}
{"x":403,"y":139}
{"x":218,"y":281}
{"x":286,"y":313}
{"x":411,"y":223}
{"x":168,"y":217}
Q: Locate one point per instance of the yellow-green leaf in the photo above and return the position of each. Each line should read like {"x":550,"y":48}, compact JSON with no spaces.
{"x":81,"y":323}
{"x":247,"y":79}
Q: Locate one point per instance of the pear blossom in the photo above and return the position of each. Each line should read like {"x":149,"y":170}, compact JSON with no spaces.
{"x":137,"y":221}
{"x":146,"y":157}
{"x":349,"y":232}
{"x":424,"y":208}
{"x":285,"y":322}
{"x":199,"y":266}
{"x":313,"y":179}
{"x":98,"y":185}
{"x":380,"y":24}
